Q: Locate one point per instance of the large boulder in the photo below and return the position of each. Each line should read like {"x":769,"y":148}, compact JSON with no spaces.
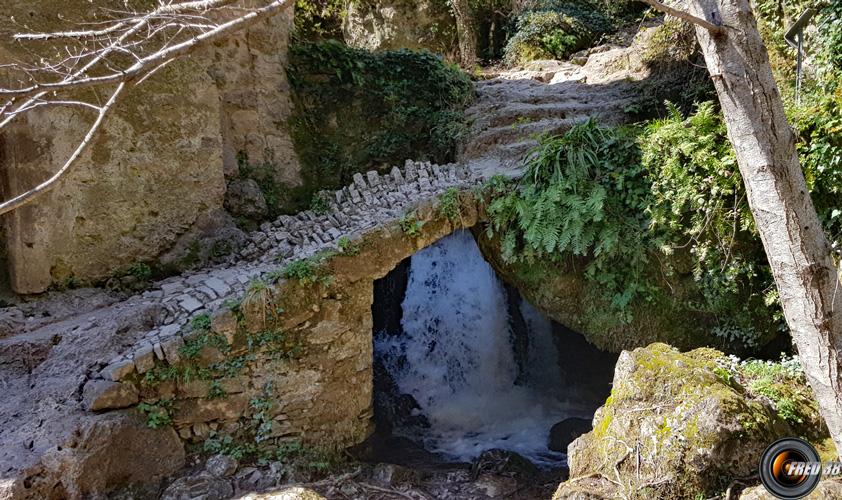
{"x":107,"y":451}
{"x":50,"y":445}
{"x":680,"y":424}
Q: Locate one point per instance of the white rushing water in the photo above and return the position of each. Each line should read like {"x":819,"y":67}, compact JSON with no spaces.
{"x":456,"y":358}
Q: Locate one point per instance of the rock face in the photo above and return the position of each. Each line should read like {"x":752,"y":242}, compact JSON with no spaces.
{"x":157,"y":167}
{"x":396,"y":24}
{"x":50,"y":445}
{"x":675,"y":425}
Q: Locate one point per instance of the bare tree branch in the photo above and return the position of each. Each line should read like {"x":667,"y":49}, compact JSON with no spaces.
{"x":50,"y":183}
{"x":117,"y":54}
{"x":690,"y":18}
{"x":154,"y":59}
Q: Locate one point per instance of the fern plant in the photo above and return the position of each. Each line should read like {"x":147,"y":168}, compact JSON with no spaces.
{"x":583,"y":194}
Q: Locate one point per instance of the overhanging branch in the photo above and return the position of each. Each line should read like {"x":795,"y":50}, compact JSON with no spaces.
{"x":690,"y":18}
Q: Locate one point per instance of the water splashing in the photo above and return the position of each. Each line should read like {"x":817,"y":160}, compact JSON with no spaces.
{"x":456,"y":358}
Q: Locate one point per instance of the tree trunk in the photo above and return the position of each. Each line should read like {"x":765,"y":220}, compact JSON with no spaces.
{"x":796,"y":247}
{"x":465,"y":32}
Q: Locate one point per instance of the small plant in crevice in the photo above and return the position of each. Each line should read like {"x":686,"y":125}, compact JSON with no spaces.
{"x":158,"y":414}
{"x":320,"y":203}
{"x":348,"y":246}
{"x":259,"y":301}
{"x":215,"y":390}
{"x":227,"y":445}
{"x":449,"y":205}
{"x":410,"y":224}
{"x":309,"y":271}
{"x":261,"y":420}
{"x":201,"y":336}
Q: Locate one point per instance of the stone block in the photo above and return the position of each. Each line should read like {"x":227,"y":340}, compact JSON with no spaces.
{"x":118,"y":370}
{"x":98,"y":395}
{"x":225,"y":323}
{"x":199,"y":410}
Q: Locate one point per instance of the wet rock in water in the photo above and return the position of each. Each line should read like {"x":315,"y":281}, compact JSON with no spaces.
{"x":391,"y":474}
{"x":503,"y":462}
{"x":200,"y":487}
{"x":296,"y":493}
{"x":566,"y":431}
{"x":677,"y":424}
{"x":494,"y":486}
{"x":221,"y":466}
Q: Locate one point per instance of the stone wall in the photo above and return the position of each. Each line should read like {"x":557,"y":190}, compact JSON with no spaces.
{"x":158,"y":168}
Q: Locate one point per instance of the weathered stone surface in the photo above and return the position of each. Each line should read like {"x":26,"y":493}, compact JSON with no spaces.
{"x":129,"y":199}
{"x":213,"y":236}
{"x":496,"y":486}
{"x":295,"y":493}
{"x":114,"y":449}
{"x":108,"y":395}
{"x":392,"y":475}
{"x":221,"y":466}
{"x":199,"y":410}
{"x":691,"y":429}
{"x":397,"y":24}
{"x":245,"y":199}
{"x":225,"y":323}
{"x":118,"y":370}
{"x":203,"y":486}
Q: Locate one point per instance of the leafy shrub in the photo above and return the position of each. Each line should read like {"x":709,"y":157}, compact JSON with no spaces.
{"x":319,"y":19}
{"x":645,"y":210}
{"x":553,"y":33}
{"x":410,"y":224}
{"x":158,"y":414}
{"x":699,"y":209}
{"x":357,"y":111}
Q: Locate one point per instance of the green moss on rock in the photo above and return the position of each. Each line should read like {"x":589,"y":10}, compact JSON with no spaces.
{"x":679,"y":424}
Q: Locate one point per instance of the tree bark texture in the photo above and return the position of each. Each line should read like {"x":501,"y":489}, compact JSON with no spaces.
{"x":796,"y":247}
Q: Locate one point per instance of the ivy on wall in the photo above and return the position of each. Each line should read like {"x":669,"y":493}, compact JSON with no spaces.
{"x":357,"y":111}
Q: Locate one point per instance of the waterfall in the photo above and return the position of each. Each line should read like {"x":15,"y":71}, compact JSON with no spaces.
{"x":455,"y":357}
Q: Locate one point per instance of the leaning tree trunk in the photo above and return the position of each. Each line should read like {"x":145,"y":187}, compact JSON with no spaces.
{"x":796,"y":247}
{"x":465,"y":32}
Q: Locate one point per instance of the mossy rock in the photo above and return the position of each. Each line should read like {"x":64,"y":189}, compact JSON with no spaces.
{"x":675,"y":426}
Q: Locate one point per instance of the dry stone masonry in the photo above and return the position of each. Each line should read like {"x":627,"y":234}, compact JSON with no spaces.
{"x":372,"y":201}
